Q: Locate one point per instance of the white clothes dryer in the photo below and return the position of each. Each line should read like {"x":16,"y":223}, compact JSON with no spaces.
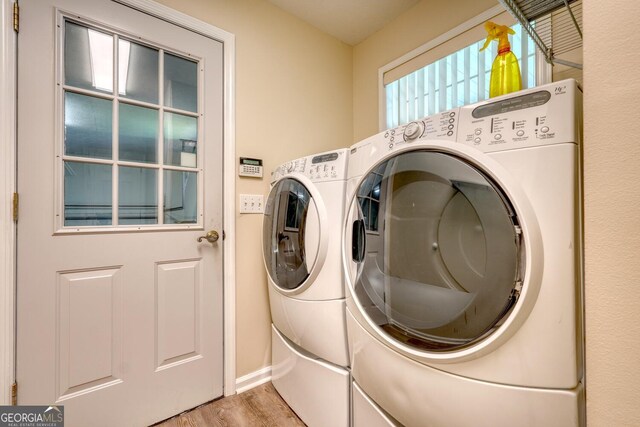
{"x":462,"y":252}
{"x":302,"y":233}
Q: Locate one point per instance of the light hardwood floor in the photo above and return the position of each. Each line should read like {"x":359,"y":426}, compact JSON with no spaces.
{"x":260,"y":406}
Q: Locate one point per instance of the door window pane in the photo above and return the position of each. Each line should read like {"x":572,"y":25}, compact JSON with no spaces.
{"x":149,"y":141}
{"x":180,"y":140}
{"x":180,"y":83}
{"x":137,"y":72}
{"x":138,"y":201}
{"x":87,"y":194}
{"x":88,"y":58}
{"x":180,"y":197}
{"x":138,"y":134}
{"x":87,"y":126}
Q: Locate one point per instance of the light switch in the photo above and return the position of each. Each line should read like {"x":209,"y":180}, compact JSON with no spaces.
{"x":251,"y":203}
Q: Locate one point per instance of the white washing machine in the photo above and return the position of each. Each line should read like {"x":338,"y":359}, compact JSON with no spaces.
{"x":302,"y":233}
{"x":462,"y":252}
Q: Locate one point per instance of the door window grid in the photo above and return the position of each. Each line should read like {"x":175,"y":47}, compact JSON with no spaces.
{"x":110,"y":90}
{"x":458,"y":79}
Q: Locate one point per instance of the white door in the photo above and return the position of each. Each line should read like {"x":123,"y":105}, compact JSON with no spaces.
{"x":120,"y":171}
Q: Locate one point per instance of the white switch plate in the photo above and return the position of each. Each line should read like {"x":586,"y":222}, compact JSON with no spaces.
{"x":251,"y":203}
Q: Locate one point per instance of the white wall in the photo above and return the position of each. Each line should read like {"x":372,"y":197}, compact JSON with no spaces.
{"x":293,"y":97}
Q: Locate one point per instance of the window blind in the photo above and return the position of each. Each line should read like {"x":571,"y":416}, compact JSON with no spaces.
{"x":446,"y":47}
{"x":438,"y":80}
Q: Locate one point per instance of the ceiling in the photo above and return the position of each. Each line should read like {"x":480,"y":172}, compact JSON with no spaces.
{"x":351,"y":21}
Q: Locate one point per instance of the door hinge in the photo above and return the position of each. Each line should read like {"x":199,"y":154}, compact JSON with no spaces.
{"x":16,"y":17}
{"x":16,"y":206}
{"x":14,"y":393}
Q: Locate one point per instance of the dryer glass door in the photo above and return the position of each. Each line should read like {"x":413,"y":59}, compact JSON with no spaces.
{"x":437,"y":248}
{"x":290,"y":234}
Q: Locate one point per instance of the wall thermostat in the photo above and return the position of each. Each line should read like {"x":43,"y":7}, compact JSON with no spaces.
{"x":250,"y":167}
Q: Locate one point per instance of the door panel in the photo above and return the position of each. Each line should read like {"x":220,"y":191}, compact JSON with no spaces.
{"x":119,"y":307}
{"x":90,"y":329}
{"x":178,"y":321}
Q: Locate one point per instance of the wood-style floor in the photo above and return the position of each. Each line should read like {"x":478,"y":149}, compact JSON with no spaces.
{"x":260,"y":406}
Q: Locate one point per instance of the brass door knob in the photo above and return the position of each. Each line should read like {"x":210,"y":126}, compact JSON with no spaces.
{"x":211,"y":237}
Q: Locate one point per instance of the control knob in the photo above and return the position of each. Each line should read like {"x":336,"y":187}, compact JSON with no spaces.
{"x":290,"y":167}
{"x":413,"y":131}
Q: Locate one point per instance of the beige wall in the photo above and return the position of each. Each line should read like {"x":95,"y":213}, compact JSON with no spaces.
{"x":293,"y":97}
{"x":417,"y":26}
{"x":612,"y":211}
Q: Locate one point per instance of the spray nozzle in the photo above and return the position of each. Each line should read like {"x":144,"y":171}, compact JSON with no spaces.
{"x":500,"y":32}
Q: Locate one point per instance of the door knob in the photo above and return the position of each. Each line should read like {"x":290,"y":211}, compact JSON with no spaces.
{"x":211,"y":237}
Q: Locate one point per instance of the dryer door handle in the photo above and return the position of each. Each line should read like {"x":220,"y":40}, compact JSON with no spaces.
{"x":358,"y":241}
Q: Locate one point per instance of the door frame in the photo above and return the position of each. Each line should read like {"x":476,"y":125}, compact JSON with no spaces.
{"x":8,"y":185}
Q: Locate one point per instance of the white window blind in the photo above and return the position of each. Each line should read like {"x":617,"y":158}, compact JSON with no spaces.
{"x":457,"y":79}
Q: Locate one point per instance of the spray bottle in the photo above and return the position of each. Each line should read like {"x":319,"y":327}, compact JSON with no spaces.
{"x":505,"y":72}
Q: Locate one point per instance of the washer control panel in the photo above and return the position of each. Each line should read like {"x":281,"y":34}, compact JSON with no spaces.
{"x":328,"y":166}
{"x":537,"y":116}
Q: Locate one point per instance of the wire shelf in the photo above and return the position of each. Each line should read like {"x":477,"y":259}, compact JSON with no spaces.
{"x":554,"y":25}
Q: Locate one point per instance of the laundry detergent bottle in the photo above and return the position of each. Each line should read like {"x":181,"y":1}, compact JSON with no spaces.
{"x":505,"y":71}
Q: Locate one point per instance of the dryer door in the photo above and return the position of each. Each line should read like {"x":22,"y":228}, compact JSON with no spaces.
{"x":437,"y":249}
{"x":291,"y":234}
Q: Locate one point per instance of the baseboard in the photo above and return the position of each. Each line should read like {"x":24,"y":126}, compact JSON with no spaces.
{"x":253,"y":379}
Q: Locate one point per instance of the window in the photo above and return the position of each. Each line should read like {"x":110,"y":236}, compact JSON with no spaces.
{"x":457,"y":79}
{"x":129,"y":148}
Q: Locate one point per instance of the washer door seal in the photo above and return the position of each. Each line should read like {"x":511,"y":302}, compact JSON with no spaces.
{"x":443,"y":263}
{"x":284,"y":234}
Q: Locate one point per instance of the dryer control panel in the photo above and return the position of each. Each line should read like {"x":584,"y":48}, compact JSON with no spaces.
{"x":548,"y":114}
{"x":441,"y":126}
{"x":327,"y":166}
{"x":539,"y":116}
